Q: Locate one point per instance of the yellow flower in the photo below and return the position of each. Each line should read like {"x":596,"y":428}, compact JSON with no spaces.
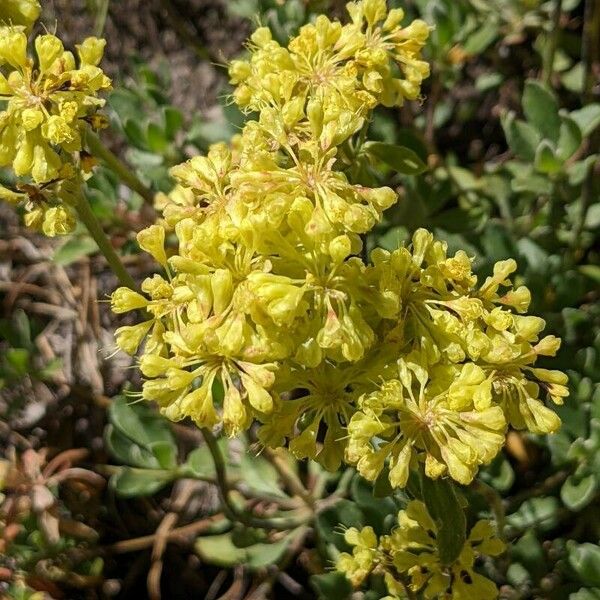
{"x":49,"y":100}
{"x":441,"y":415}
{"x":19,"y":12}
{"x":265,"y":310}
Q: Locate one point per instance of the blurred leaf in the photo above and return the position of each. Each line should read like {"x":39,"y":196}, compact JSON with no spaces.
{"x":140,"y":423}
{"x":400,"y":158}
{"x":165,"y":453}
{"x":379,"y":512}
{"x":130,"y":483}
{"x":199,"y":463}
{"x":529,"y":552}
{"x":444,"y":507}
{"x":522,"y":138}
{"x":536,"y":513}
{"x":173,"y":120}
{"x":330,"y":586}
{"x":577,"y":493}
{"x":545,"y":159}
{"x":331,"y":521}
{"x":541,"y":109}
{"x":482,"y":37}
{"x":220,"y":550}
{"x":588,"y":118}
{"x":499,"y":474}
{"x":157,"y":141}
{"x":73,"y":249}
{"x":586,"y":594}
{"x":18,"y":359}
{"x":591,"y":271}
{"x":585,"y":560}
{"x":260,"y":475}
{"x":569,"y":138}
{"x":125,"y":451}
{"x":135,"y":134}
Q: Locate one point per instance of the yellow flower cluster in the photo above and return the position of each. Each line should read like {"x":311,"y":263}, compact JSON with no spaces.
{"x":265,"y":310}
{"x":409,"y":557}
{"x":48,"y":103}
{"x":19,"y":12}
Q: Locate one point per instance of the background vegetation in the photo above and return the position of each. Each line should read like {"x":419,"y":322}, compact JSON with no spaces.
{"x":101,"y":498}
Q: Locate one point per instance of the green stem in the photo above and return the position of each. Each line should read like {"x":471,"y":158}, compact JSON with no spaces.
{"x":495,"y":501}
{"x":100,"y":19}
{"x":590,"y":50}
{"x":282,"y":523}
{"x":88,"y":218}
{"x":552,"y":43}
{"x":114,"y":163}
{"x":289,"y":478}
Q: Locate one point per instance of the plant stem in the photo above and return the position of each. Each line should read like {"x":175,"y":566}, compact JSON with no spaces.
{"x":281,"y":523}
{"x":100,"y":19}
{"x":115,"y":164}
{"x":590,"y":47}
{"x":495,"y":501}
{"x":88,"y":218}
{"x":552,"y":43}
{"x":290,"y":479}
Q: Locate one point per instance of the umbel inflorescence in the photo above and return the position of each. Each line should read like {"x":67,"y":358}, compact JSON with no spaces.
{"x":266,"y":312}
{"x":409,"y":558}
{"x":48,"y":101}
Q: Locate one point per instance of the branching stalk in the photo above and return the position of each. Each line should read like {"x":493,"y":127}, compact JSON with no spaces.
{"x":88,"y":218}
{"x":291,"y":480}
{"x":495,"y":502}
{"x":281,"y":523}
{"x":115,"y":164}
{"x":552,"y":43}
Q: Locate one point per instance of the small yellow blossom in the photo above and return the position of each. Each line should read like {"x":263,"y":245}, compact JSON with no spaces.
{"x":409,"y":557}
{"x":49,"y":100}
{"x":19,"y":12}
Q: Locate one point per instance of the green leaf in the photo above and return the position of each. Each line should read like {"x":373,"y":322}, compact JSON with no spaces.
{"x":586,"y":594}
{"x":591,"y":271}
{"x":157,"y":140}
{"x":538,"y":513}
{"x":444,"y":507}
{"x":522,"y":138}
{"x":220,"y":550}
{"x":400,"y":158}
{"x":173,"y":120}
{"x":499,"y":474}
{"x":127,"y":452}
{"x":165,"y":453}
{"x":18,"y":359}
{"x":411,"y":139}
{"x":21,"y":327}
{"x":588,"y":118}
{"x":260,"y":475}
{"x":529,"y":552}
{"x":135,"y":134}
{"x":342,"y":514}
{"x":577,"y":493}
{"x":199,"y":463}
{"x":379,"y":512}
{"x":569,"y":138}
{"x":541,"y":109}
{"x":130,"y":483}
{"x":382,"y":488}
{"x":545,"y":159}
{"x":139,"y":423}
{"x":585,"y":560}
{"x":482,"y":37}
{"x":331,"y":586}
{"x":74,"y":249}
